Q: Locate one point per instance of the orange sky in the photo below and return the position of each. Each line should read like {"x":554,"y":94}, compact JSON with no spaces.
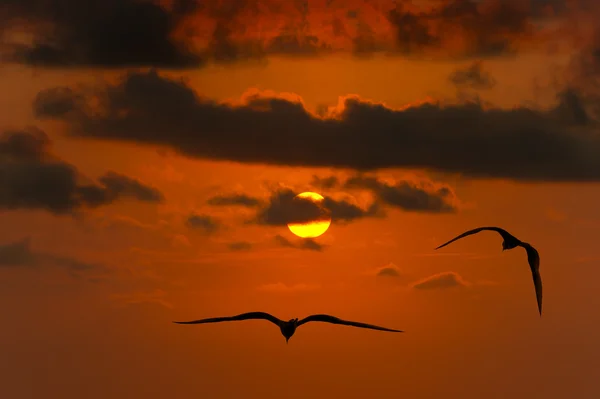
{"x":94,"y":266}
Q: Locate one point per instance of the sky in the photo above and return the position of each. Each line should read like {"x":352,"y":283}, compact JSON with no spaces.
{"x":150,"y":152}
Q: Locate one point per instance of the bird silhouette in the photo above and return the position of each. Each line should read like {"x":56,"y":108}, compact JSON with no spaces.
{"x":510,"y":242}
{"x":288,"y":328}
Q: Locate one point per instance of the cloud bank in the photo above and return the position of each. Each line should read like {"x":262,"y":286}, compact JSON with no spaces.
{"x":32,"y":178}
{"x":193,"y":33}
{"x":559,"y":144}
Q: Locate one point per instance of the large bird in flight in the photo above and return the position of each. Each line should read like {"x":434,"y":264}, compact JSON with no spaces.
{"x":510,"y":242}
{"x":288,"y":328}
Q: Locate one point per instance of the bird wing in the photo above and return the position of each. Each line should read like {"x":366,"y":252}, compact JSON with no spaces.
{"x":502,"y":232}
{"x":334,"y":320}
{"x":533,"y":258}
{"x":243,"y":316}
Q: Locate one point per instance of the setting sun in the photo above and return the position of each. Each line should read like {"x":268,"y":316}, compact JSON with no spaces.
{"x":312,"y":229}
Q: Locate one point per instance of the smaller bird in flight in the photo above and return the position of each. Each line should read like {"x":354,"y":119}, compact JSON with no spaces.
{"x":288,"y":328}
{"x":510,"y":242}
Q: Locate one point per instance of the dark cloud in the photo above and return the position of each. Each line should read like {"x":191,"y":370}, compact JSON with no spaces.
{"x":223,"y":45}
{"x":110,"y":33}
{"x":284,"y":242}
{"x":473,"y":76}
{"x":365,"y":42}
{"x":31,"y":178}
{"x":328,"y":182}
{"x":344,"y":211}
{"x":412,"y":31}
{"x":234,"y":200}
{"x":580,"y":101}
{"x":573,"y":108}
{"x":31,"y":144}
{"x":137,"y":33}
{"x":193,"y":33}
{"x":481,"y":28}
{"x":517,"y":143}
{"x":203,"y":223}
{"x":283,"y":208}
{"x":120,"y":185}
{"x":441,"y":281}
{"x":19,"y":253}
{"x":294,"y":44}
{"x":389,"y":271}
{"x":305,"y":243}
{"x":57,"y":101}
{"x":239,"y":246}
{"x":405,"y":195}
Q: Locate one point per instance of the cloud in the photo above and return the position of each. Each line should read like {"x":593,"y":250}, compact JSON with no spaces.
{"x":296,"y":44}
{"x":311,"y":245}
{"x":328,"y":182}
{"x":423,"y":196}
{"x":280,"y":287}
{"x":239,"y":246}
{"x":121,"y":185}
{"x":19,"y":254}
{"x":390,"y":270}
{"x":193,"y":33}
{"x":234,"y":200}
{"x":518,"y":143}
{"x":136,"y":33}
{"x":463,"y":27}
{"x":581,"y":97}
{"x":305,"y":243}
{"x":32,"y":178}
{"x":441,"y":281}
{"x":204,"y":223}
{"x":110,"y":34}
{"x":57,"y":101}
{"x":29,"y":144}
{"x":473,"y":76}
{"x":406,"y":195}
{"x":283,"y":208}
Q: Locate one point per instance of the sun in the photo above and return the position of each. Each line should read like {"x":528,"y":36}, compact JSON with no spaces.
{"x":311,"y":229}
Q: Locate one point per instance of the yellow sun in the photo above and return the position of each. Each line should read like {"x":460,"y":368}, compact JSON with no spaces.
{"x":312,"y":229}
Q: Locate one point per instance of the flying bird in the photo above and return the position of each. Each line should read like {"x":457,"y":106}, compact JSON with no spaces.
{"x":510,"y":242}
{"x":288,"y":328}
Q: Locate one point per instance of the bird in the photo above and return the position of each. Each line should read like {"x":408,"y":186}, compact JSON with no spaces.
{"x":510,"y":242}
{"x":288,"y":328}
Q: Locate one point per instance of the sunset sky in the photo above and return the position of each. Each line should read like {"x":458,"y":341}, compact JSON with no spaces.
{"x":149,"y":151}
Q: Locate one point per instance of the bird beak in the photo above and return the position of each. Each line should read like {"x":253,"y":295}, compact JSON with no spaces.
{"x":286,"y":340}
